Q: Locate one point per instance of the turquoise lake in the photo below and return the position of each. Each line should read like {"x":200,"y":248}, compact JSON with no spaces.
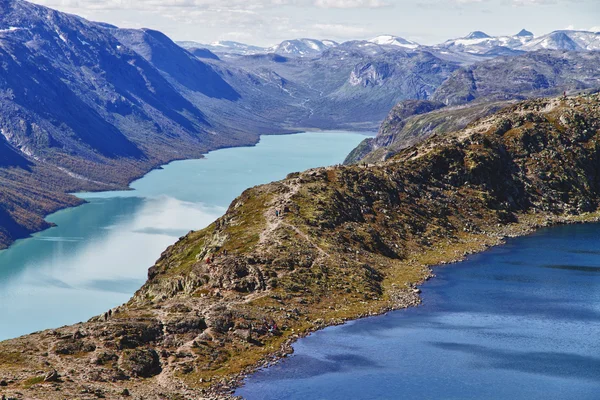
{"x":520,"y":321}
{"x":99,"y":253}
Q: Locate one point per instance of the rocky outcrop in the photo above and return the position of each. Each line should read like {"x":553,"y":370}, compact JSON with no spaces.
{"x":140,"y":362}
{"x":318,"y":248}
{"x":414,"y":121}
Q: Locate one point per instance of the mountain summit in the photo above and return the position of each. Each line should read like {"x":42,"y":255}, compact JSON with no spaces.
{"x":477,"y":35}
{"x":524,"y":32}
{"x":390,"y":40}
{"x":302,"y":47}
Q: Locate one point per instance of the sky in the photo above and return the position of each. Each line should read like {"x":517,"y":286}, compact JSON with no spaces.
{"x":267,"y":22}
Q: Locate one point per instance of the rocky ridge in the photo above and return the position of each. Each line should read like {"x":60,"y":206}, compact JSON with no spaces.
{"x":412,"y":121}
{"x":318,"y":248}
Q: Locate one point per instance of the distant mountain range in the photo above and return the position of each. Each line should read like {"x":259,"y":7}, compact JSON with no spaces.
{"x":480,"y":43}
{"x":294,"y":47}
{"x":477,"y":42}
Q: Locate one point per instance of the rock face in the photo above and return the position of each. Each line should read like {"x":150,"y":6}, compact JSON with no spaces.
{"x":349,"y":241}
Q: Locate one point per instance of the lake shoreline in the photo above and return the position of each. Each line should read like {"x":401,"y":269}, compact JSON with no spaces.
{"x":80,"y":201}
{"x":528,"y":227}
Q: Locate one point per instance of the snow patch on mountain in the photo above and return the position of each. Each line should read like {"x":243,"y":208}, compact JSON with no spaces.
{"x":480,"y":43}
{"x":302,"y":47}
{"x":565,"y":40}
{"x":390,"y":40}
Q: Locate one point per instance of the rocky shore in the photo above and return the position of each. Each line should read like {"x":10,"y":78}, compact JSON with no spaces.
{"x":317,"y":249}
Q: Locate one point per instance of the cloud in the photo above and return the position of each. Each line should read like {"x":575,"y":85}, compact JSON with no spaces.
{"x":532,"y":2}
{"x":572,"y":27}
{"x":351,"y":3}
{"x":340,"y":30}
{"x":151,"y":5}
{"x":154,"y":5}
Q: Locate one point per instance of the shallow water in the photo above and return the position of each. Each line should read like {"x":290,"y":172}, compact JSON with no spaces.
{"x":99,"y":253}
{"x":520,"y":321}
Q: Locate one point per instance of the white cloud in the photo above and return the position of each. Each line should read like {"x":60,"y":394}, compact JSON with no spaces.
{"x":351,"y":3}
{"x":540,"y":2}
{"x":572,"y":27}
{"x":340,"y":30}
{"x":154,"y":5}
{"x":149,"y":5}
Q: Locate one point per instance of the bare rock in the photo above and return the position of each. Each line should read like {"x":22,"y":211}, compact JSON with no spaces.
{"x":140,"y":362}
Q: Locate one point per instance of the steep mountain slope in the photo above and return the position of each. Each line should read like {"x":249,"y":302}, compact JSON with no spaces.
{"x":11,"y":157}
{"x":93,"y":107}
{"x":184,"y":68}
{"x":477,"y":91}
{"x":350,"y":241}
{"x":89,"y":106}
{"x":355,"y":84}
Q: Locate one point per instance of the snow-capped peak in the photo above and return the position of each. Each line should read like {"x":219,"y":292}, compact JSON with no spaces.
{"x":302,"y":47}
{"x":477,"y":35}
{"x":389,"y":40}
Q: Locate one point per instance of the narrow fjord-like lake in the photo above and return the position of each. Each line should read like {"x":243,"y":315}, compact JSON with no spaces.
{"x":99,"y":253}
{"x":520,"y":321}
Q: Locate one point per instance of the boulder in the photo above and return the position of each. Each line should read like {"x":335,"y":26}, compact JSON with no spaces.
{"x":140,"y":362}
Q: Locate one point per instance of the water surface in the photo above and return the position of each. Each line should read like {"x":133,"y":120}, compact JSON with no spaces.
{"x":99,"y":253}
{"x":521,"y":321}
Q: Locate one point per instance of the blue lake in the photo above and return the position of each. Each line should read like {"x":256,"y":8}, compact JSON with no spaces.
{"x":520,"y":321}
{"x":99,"y":253}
